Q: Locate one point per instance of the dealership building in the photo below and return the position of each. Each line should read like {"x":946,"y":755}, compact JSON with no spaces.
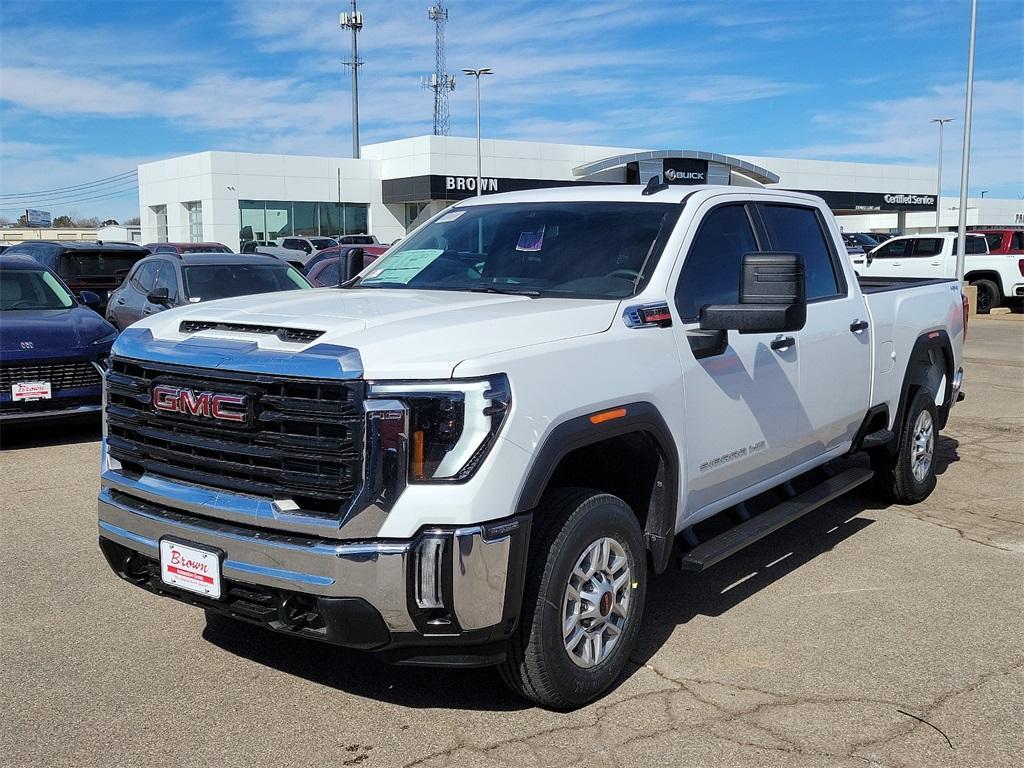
{"x":232,"y":197}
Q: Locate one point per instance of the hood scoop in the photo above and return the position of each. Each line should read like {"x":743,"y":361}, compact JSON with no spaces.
{"x":293,"y":335}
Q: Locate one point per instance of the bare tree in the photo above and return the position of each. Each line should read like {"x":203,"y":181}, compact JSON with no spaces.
{"x":134,"y":221}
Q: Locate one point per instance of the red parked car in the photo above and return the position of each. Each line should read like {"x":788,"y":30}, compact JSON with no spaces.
{"x":1006,"y":242}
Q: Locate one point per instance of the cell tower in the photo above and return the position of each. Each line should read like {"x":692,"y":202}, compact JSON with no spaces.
{"x":440,"y":82}
{"x":354,"y":22}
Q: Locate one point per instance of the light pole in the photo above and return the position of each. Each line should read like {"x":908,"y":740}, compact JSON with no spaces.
{"x":965,"y":161}
{"x":938,"y":194}
{"x":476,"y":73}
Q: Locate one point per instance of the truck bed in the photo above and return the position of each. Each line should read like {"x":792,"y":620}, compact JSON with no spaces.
{"x":882,"y":284}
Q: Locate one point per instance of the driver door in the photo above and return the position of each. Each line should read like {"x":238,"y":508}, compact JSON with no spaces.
{"x":742,"y":411}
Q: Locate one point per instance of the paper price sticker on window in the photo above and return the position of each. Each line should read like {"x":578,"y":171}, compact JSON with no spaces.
{"x":531,"y":241}
{"x":403,"y":266}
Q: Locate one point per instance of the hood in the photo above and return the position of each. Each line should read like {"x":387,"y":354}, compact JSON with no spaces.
{"x":398,"y":333}
{"x":51,"y":332}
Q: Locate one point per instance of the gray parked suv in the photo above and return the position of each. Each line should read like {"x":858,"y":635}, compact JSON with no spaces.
{"x":163,"y":281}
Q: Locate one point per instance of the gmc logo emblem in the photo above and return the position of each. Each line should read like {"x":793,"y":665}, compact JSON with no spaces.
{"x":210,"y":405}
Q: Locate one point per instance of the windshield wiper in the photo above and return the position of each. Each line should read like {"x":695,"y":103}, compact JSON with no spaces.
{"x":505,"y":291}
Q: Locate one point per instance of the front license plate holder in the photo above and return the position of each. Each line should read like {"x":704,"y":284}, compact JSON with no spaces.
{"x":191,"y":567}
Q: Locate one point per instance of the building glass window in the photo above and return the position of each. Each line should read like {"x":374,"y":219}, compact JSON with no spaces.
{"x":332,"y":219}
{"x":304,"y":223}
{"x":252,"y":215}
{"x":268,"y":220}
{"x":195,"y":221}
{"x":356,"y":219}
{"x":279,"y":219}
{"x":160,"y":211}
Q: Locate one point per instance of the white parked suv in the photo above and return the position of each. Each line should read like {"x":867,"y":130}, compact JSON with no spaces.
{"x":998,"y":278}
{"x":483,"y":449}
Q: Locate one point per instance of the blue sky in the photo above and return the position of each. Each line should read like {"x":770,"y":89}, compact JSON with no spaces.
{"x":90,"y":89}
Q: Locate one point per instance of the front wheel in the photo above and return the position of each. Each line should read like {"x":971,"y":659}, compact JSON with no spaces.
{"x":583,"y":602}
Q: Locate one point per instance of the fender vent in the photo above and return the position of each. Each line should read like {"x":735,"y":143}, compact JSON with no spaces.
{"x":294,"y":335}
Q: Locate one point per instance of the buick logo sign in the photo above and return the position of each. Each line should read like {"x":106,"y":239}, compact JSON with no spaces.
{"x":209,"y":405}
{"x":27,"y":345}
{"x":673,"y":175}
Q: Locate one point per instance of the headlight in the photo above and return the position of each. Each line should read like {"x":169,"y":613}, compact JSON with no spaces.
{"x":452,"y":424}
{"x":108,"y":339}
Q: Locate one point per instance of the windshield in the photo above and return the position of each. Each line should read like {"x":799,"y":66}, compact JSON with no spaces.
{"x":32,"y":289}
{"x":97,"y":264}
{"x":206,"y":282}
{"x":601,"y":250}
{"x":866,"y":240}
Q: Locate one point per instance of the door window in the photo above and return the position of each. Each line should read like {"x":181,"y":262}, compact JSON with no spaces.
{"x":894,"y":249}
{"x":145,"y":276}
{"x":168,"y":278}
{"x":711,"y":272}
{"x":329,"y":274}
{"x":927,"y":246}
{"x":793,"y":229}
{"x":1017,"y":243}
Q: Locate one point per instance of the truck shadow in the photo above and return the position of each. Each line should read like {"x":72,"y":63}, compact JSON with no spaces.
{"x":46,"y":434}
{"x":674,"y":598}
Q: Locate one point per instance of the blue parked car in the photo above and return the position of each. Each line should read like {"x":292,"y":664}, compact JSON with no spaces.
{"x":52,"y":345}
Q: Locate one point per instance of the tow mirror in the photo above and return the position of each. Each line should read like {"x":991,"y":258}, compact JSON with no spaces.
{"x":90,"y":299}
{"x":159,"y":296}
{"x":356,"y":261}
{"x":773,"y":297}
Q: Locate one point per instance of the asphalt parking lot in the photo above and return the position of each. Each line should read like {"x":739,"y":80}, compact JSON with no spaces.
{"x":861,"y":635}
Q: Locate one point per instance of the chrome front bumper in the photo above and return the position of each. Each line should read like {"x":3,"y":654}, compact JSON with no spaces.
{"x":477,"y":569}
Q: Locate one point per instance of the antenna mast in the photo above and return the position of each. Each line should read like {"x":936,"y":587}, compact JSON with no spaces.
{"x":354,"y":21}
{"x":440,"y":82}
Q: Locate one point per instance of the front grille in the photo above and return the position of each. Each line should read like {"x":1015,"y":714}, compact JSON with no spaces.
{"x":62,"y":374}
{"x":304,"y":442}
{"x":296,"y":335}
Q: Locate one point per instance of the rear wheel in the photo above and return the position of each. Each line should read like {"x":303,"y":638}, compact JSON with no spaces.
{"x":988,"y":296}
{"x":583,"y":602}
{"x":909,"y":477}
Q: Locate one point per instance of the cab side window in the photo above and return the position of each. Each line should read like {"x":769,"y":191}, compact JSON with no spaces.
{"x":927,"y":246}
{"x":145,"y":276}
{"x":711,"y":272}
{"x":168,"y":278}
{"x":793,"y":229}
{"x":894,"y":249}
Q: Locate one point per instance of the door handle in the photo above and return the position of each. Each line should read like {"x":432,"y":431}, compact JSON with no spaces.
{"x":784,"y":343}
{"x":120,"y":301}
{"x":936,"y":263}
{"x":859,"y":325}
{"x":897,"y":263}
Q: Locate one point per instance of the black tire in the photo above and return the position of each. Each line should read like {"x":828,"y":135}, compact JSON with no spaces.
{"x":566,"y":523}
{"x":989,"y":296}
{"x":895,"y":475}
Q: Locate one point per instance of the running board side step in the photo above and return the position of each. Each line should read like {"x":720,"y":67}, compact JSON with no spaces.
{"x":733,"y":540}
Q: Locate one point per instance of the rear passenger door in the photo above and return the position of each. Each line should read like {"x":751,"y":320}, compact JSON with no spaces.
{"x":835,"y":344}
{"x":927,"y":259}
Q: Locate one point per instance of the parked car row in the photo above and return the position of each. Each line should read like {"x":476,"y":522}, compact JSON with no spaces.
{"x":998,"y":280}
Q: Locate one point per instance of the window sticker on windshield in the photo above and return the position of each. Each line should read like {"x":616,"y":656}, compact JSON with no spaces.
{"x":403,"y":266}
{"x":531,"y":241}
{"x":449,"y":217}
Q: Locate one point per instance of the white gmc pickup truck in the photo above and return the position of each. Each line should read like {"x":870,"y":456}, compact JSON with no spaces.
{"x":998,"y":278}
{"x":480,"y":450}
